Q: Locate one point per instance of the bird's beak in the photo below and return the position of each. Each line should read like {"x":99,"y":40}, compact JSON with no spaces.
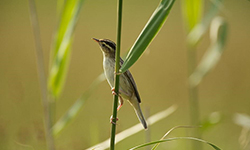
{"x":96,"y":40}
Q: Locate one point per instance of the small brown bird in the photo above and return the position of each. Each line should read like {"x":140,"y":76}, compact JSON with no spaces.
{"x":127,"y":88}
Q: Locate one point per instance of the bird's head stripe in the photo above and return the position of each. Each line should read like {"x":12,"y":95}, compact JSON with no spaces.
{"x":110,"y":44}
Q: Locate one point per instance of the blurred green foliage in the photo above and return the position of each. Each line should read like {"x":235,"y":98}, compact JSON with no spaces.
{"x":61,"y":49}
{"x":226,"y":89}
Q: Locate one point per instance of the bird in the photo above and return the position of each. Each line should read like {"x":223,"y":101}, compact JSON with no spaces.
{"x":127,"y":87}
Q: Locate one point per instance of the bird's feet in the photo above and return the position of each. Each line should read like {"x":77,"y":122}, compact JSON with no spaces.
{"x":112,"y":120}
{"x":120,"y":99}
{"x":113,"y":91}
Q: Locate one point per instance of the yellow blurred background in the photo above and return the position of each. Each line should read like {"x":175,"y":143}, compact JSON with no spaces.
{"x":160,"y":74}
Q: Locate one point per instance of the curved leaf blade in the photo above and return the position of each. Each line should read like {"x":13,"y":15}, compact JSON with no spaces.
{"x":166,"y":134}
{"x":218,"y":34}
{"x":76,"y":107}
{"x":135,"y":129}
{"x":176,"y":138}
{"x":148,"y":33}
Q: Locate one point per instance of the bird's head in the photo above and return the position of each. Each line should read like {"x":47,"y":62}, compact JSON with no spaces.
{"x":107,"y":46}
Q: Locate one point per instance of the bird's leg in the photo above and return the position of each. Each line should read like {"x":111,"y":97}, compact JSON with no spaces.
{"x":120,"y":105}
{"x":111,"y":118}
{"x":120,"y":98}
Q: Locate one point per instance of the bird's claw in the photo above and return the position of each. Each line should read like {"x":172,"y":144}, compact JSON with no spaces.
{"x":111,"y":120}
{"x":113,"y":91}
{"x":120,"y":98}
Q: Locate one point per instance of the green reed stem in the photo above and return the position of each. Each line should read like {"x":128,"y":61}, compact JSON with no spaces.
{"x":117,"y":76}
{"x":193,"y":97}
{"x":41,"y":76}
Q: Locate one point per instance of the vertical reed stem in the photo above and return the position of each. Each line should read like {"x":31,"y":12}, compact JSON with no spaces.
{"x":193,"y":98}
{"x":41,"y":76}
{"x":117,"y":76}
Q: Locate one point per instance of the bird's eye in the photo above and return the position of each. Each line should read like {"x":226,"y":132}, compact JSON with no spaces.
{"x":103,"y":45}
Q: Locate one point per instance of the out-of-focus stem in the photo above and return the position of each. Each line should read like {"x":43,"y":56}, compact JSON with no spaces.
{"x":193,"y":97}
{"x":41,"y":76}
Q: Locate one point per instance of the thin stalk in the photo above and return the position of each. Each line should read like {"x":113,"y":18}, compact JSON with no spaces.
{"x":52,"y":109}
{"x":117,"y":76}
{"x":41,"y":75}
{"x":193,"y":97}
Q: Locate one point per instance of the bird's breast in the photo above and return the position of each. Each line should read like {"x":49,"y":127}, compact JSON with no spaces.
{"x":109,"y":69}
{"x":126,"y":90}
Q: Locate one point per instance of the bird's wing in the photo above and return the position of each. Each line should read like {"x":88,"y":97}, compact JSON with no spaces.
{"x":132,"y":82}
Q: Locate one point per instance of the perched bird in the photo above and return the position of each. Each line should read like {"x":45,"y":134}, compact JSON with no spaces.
{"x":127,"y":88}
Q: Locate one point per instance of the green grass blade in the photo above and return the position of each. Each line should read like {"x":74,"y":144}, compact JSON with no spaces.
{"x":192,"y":12}
{"x":148,"y":33}
{"x":76,"y":107}
{"x":60,"y":52}
{"x":176,"y":138}
{"x":218,"y":34}
{"x":200,"y":29}
{"x":166,"y":134}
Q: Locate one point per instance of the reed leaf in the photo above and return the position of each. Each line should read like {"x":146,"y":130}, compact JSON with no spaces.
{"x":166,"y":134}
{"x":148,"y":33}
{"x":192,"y":12}
{"x":176,"y":138}
{"x":60,"y":52}
{"x":135,"y":129}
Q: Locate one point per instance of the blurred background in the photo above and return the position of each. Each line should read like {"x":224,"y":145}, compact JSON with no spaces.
{"x":226,"y":89}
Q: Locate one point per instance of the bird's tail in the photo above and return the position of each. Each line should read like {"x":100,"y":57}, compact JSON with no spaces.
{"x":139,"y":114}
